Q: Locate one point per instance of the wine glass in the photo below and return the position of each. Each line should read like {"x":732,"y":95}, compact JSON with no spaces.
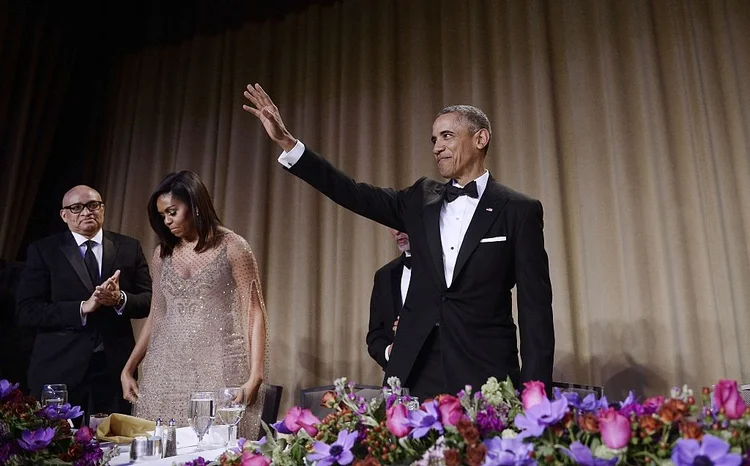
{"x":230,"y":412}
{"x":201,"y":414}
{"x":54,"y":394}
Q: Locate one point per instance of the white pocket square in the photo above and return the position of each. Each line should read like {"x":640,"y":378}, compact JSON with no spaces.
{"x":494,"y":239}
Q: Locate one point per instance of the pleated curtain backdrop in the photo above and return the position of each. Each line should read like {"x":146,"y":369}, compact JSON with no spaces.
{"x":629,"y":120}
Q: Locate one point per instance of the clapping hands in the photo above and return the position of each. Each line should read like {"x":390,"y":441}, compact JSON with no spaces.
{"x":106,"y":294}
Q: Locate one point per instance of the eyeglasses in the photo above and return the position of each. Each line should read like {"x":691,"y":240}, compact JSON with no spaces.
{"x":93,"y":206}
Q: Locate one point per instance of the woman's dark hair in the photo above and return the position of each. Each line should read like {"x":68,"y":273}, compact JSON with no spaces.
{"x":187,"y":187}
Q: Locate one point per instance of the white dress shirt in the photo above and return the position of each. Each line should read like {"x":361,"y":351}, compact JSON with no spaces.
{"x":405,"y":279}
{"x":98,"y":251}
{"x":454,"y":216}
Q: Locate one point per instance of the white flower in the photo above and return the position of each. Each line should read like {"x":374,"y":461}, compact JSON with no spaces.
{"x":606,"y":453}
{"x":509,"y":434}
{"x":434,"y":456}
{"x":340,"y":384}
{"x":492,"y":392}
{"x":394,"y":382}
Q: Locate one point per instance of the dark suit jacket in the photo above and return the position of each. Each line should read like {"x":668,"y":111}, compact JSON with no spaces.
{"x":477,"y":331}
{"x":54,"y":283}
{"x":385,"y":306}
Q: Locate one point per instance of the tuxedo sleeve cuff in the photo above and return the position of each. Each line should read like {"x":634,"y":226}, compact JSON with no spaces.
{"x":288,"y":159}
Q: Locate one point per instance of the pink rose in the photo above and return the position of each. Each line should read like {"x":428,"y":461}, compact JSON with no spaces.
{"x":397,"y":420}
{"x":450,"y":410}
{"x":298,"y":418}
{"x":84,"y":435}
{"x":252,"y":459}
{"x":533,"y":394}
{"x":615,"y":428}
{"x":726,"y":396}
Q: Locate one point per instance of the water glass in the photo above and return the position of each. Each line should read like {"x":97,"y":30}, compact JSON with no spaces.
{"x":201,"y":413}
{"x":54,"y":394}
{"x":230,"y":412}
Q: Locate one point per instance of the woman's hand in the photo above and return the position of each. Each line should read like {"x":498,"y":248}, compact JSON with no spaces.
{"x":129,"y":386}
{"x":249,"y":391}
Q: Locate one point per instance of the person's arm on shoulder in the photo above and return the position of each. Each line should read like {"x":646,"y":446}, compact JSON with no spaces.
{"x":535,"y":321}
{"x":34,"y":305}
{"x":245,"y":272}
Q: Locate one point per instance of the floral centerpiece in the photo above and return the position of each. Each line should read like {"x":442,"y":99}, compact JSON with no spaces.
{"x":499,"y":426}
{"x":33,"y":434}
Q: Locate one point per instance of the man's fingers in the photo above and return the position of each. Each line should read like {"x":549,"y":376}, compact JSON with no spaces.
{"x":253,"y":99}
{"x":116,"y":276}
{"x":250,"y":109}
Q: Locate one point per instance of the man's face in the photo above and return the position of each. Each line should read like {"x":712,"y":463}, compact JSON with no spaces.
{"x":456,"y":149}
{"x":86,"y":222}
{"x":402,"y":240}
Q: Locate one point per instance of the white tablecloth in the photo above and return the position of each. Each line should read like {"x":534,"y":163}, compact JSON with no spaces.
{"x":186,"y":448}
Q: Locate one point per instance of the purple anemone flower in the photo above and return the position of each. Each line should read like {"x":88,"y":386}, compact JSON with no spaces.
{"x":508,"y":452}
{"x":534,"y":420}
{"x":6,"y":388}
{"x":61,"y":411}
{"x":339,"y":452}
{"x":581,"y":454}
{"x":424,"y":421}
{"x":36,"y":440}
{"x":709,"y":451}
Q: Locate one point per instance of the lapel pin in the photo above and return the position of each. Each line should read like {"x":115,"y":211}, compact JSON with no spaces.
{"x":489,"y":209}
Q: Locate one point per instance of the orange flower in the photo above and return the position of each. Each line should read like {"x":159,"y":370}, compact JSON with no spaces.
{"x":589,"y":423}
{"x":649,"y":424}
{"x":452,"y":457}
{"x":475,"y":454}
{"x":691,"y":430}
{"x":468,"y":431}
{"x":328,"y":400}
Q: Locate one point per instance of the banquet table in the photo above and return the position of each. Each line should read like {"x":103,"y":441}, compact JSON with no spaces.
{"x":187,"y":443}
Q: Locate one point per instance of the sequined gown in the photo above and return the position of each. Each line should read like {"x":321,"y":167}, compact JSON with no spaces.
{"x":203,"y":309}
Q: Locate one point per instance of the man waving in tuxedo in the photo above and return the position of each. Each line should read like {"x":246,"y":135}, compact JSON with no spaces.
{"x":79,"y":290}
{"x":472,"y":240}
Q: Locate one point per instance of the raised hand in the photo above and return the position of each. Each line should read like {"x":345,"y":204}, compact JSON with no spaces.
{"x":268,"y":113}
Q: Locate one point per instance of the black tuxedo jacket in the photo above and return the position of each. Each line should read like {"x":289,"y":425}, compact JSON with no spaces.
{"x":385,"y":306}
{"x":477,"y":330}
{"x":52,"y":286}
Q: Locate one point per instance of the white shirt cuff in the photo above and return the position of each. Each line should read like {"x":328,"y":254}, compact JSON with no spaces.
{"x":119,"y":310}
{"x":83,"y":316}
{"x":288,"y":159}
{"x":387,"y":353}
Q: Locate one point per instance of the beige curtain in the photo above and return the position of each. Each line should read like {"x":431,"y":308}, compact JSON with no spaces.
{"x":630,"y":120}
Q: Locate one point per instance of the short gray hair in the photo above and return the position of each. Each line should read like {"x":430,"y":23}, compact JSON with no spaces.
{"x":474,"y":118}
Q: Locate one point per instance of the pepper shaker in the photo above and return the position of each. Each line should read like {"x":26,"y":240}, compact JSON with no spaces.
{"x":170,"y":447}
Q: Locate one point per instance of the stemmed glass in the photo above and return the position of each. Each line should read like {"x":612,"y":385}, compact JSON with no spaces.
{"x":201,"y":414}
{"x":54,"y":394}
{"x":230,"y":412}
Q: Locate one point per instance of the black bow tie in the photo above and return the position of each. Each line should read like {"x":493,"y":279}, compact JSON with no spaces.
{"x":453,"y":192}
{"x":407,"y":262}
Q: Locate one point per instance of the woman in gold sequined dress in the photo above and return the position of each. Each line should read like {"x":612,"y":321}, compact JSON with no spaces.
{"x":207,"y":327}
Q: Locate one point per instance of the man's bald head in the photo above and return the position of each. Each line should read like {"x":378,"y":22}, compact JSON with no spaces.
{"x":89,"y":221}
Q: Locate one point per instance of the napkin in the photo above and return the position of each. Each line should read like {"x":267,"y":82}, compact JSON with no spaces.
{"x":121,"y":428}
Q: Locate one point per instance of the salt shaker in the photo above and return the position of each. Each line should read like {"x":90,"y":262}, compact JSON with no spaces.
{"x":170,"y":447}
